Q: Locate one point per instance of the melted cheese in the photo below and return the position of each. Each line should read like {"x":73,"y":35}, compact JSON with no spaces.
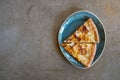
{"x":82,"y":57}
{"x":75,"y":48}
{"x":87,"y":55}
{"x":88,"y":28}
{"x":72,"y":44}
{"x":78,"y":33}
{"x":91,"y":37}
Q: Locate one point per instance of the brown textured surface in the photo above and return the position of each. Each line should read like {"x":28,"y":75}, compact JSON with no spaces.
{"x":28,"y":40}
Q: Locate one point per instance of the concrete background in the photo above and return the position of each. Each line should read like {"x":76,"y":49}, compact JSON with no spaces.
{"x":28,"y":40}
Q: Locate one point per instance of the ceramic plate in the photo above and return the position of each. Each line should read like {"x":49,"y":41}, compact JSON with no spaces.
{"x":71,"y":24}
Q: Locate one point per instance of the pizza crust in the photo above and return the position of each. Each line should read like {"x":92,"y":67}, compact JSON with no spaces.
{"x":92,"y":52}
{"x":94,"y":28}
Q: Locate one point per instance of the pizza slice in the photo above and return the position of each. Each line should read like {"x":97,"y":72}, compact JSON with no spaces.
{"x":86,"y":33}
{"x":83,"y":52}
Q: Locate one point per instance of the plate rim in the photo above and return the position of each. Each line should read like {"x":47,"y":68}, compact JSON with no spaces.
{"x":103,"y":30}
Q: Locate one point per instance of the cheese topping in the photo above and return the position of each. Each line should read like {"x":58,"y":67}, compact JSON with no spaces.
{"x":82,"y":57}
{"x":72,"y":44}
{"x":78,"y":33}
{"x":88,"y":28}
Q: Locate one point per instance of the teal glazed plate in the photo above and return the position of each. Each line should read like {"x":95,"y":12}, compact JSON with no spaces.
{"x":71,"y":24}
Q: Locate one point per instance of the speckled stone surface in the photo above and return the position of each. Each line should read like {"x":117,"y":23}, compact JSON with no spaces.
{"x":28,"y":40}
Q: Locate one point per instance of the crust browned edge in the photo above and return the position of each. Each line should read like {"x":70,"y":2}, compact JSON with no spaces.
{"x":93,"y":26}
{"x":93,"y":51}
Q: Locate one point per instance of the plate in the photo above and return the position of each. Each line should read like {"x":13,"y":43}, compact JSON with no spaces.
{"x":71,"y":24}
